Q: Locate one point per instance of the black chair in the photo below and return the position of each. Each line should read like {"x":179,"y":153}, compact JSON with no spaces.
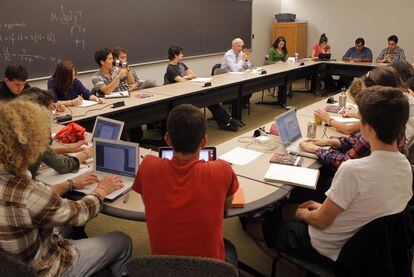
{"x":386,"y":241}
{"x":154,"y":266}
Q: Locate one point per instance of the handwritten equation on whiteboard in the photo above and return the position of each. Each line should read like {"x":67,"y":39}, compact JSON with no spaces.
{"x":20,"y":42}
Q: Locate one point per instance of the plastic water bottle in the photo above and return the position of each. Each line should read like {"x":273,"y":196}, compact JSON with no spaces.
{"x":342,"y":98}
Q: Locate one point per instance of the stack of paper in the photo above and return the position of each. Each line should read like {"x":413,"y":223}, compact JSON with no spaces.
{"x":345,"y":119}
{"x":292,"y":175}
{"x":201,"y":80}
{"x":119,"y":94}
{"x":87,"y":103}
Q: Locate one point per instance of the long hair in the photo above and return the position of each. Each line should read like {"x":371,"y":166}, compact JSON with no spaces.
{"x":63,"y":78}
{"x":276,"y":43}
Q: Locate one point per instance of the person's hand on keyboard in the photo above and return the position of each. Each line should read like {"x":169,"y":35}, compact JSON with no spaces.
{"x":109,"y":184}
{"x":84,"y":180}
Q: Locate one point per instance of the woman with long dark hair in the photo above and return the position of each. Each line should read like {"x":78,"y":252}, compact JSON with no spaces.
{"x":67,"y":89}
{"x":278,"y":52}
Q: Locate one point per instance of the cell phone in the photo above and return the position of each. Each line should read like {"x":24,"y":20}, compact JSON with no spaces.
{"x":206,"y":153}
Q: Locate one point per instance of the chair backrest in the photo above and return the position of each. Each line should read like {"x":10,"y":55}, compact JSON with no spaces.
{"x":380,"y":248}
{"x":216,"y":66}
{"x":11,"y":266}
{"x":220,"y":71}
{"x":182,"y":266}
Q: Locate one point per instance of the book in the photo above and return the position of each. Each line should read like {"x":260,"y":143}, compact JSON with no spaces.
{"x":287,"y":159}
{"x":292,"y":175}
{"x":238,"y":199}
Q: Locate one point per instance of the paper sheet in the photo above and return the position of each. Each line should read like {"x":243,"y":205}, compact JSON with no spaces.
{"x":51,"y":177}
{"x":119,"y":94}
{"x":240,"y":156}
{"x":87,"y":103}
{"x":345,"y":119}
{"x":201,"y":80}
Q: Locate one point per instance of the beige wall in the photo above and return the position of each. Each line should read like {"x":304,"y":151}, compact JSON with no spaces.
{"x":344,"y":21}
{"x":262,"y":18}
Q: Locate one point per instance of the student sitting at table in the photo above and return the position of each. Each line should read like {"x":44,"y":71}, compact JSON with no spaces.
{"x":185,"y":204}
{"x":359,"y":53}
{"x":362,"y":190}
{"x":345,"y":128}
{"x":121,"y":54}
{"x":392,"y":53}
{"x":321,"y":48}
{"x":178,"y":72}
{"x":14,"y":82}
{"x":67,"y":89}
{"x":32,"y":210}
{"x":108,"y":78}
{"x":53,"y":157}
{"x":355,"y":146}
{"x":278,"y":52}
{"x":324,"y":81}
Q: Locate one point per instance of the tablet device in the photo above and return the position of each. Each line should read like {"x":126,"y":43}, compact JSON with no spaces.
{"x":206,"y":154}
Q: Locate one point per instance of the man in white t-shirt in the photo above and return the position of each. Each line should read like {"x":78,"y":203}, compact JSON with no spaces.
{"x":362,"y":189}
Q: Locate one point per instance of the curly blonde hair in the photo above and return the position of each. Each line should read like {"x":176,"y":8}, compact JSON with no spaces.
{"x":356,"y":87}
{"x":24,"y":134}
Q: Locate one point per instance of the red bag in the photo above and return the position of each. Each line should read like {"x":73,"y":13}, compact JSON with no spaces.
{"x":71,"y":133}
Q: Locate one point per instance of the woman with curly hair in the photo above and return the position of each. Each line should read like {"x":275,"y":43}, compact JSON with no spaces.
{"x":31,"y":209}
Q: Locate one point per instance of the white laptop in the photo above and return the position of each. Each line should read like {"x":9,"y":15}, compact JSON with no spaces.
{"x":107,"y":128}
{"x":116,"y":158}
{"x":290,"y":134}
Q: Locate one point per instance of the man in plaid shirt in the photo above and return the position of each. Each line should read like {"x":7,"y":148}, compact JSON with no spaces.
{"x":343,"y":149}
{"x":30,"y":210}
{"x":121,"y":54}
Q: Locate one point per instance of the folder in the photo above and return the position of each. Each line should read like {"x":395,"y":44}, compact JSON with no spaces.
{"x":238,"y":199}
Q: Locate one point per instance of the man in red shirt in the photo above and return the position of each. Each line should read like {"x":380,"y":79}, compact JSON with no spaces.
{"x":185,"y":198}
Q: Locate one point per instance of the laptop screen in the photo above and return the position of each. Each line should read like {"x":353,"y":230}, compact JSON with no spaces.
{"x":116,"y":158}
{"x":107,"y":129}
{"x":206,"y":154}
{"x":288,"y":126}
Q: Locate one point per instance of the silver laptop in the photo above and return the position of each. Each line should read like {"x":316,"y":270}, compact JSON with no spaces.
{"x":290,"y":134}
{"x":116,"y":158}
{"x":107,"y":128}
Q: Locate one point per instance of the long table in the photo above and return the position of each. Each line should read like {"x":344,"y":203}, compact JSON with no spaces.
{"x":225,"y":87}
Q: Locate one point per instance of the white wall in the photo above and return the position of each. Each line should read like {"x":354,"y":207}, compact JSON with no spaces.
{"x":262,"y":17}
{"x":344,"y":21}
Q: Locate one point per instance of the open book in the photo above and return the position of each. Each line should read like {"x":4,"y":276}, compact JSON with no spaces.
{"x":293,"y":175}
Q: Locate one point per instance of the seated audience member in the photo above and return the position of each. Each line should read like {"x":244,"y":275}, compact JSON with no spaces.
{"x":278,"y":52}
{"x":355,"y":146}
{"x":14,"y":82}
{"x":184,"y":205}
{"x":29,"y":233}
{"x":237,"y":58}
{"x":122,"y":55}
{"x":392,"y":53}
{"x":406,"y":72}
{"x":324,"y":81}
{"x":321,"y":48}
{"x":362,"y":190}
{"x":108,"y":78}
{"x":67,"y":89}
{"x":345,"y":128}
{"x":177,"y":72}
{"x":54,"y":158}
{"x":358,"y":53}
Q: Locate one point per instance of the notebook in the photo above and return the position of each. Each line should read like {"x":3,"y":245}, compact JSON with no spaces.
{"x":292,"y":175}
{"x":238,"y":199}
{"x":119,"y":94}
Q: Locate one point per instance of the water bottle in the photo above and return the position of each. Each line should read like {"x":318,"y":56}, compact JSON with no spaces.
{"x":342,"y":98}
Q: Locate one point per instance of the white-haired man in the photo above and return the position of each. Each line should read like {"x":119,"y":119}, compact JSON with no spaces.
{"x":236,"y":58}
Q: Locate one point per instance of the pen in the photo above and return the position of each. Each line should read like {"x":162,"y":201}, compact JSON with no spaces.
{"x":126,"y":198}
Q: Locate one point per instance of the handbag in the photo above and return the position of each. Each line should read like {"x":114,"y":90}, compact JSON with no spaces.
{"x":71,"y":133}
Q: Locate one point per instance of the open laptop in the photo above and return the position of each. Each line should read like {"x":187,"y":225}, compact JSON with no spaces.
{"x":290,"y":134}
{"x":206,"y":154}
{"x":107,"y":128}
{"x":116,"y":158}
{"x":324,"y":56}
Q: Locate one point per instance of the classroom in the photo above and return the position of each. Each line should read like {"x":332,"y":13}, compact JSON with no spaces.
{"x":206,"y":138}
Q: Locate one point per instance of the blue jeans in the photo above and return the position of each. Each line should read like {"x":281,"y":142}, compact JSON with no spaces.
{"x":96,"y":253}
